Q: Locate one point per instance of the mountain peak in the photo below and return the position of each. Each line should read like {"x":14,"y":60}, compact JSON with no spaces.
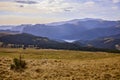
{"x":74,"y":21}
{"x":87,"y":19}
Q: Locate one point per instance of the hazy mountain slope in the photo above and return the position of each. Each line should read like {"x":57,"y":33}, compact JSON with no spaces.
{"x":98,"y":32}
{"x":89,"y":23}
{"x":3,"y":27}
{"x":75,"y":29}
{"x":54,"y":32}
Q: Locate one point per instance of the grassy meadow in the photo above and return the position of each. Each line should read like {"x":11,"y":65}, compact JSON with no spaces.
{"x":48,"y":64}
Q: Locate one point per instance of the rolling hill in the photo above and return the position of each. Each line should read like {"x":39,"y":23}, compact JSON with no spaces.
{"x":28,"y":40}
{"x":108,"y":42}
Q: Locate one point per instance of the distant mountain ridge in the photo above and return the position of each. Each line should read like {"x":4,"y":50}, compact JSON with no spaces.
{"x":74,"y":21}
{"x":72,"y":30}
{"x":73,"y":34}
{"x":77,"y":29}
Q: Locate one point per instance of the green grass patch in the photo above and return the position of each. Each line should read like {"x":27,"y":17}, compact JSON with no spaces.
{"x":54,"y":54}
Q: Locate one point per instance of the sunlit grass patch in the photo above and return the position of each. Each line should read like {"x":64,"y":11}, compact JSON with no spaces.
{"x":44,"y":64}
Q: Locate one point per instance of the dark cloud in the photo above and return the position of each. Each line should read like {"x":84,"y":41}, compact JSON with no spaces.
{"x":21,"y":1}
{"x":5,"y":0}
{"x":21,"y":6}
{"x":68,"y":9}
{"x":26,"y":2}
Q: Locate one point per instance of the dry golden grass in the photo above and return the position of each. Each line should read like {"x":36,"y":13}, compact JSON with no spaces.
{"x":61,"y":65}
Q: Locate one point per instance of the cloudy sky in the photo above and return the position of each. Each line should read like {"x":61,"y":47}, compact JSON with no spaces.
{"x":45,"y":11}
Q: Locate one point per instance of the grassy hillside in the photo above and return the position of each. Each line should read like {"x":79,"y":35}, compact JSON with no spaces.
{"x":44,"y":64}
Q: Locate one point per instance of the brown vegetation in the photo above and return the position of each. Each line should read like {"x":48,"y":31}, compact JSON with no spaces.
{"x":87,"y":66}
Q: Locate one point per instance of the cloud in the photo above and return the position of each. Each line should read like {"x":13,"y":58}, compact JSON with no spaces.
{"x":14,"y":19}
{"x":89,"y":3}
{"x":50,"y":6}
{"x":115,"y":8}
{"x":5,"y":0}
{"x":116,"y":1}
{"x":26,"y":2}
{"x":13,"y":7}
{"x":54,"y":6}
{"x":57,"y":10}
{"x":59,"y":6}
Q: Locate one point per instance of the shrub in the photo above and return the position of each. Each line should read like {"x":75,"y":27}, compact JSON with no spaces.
{"x":18,"y":64}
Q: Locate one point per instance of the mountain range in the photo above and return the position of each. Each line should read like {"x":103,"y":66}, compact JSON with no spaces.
{"x":78,"y":29}
{"x":88,"y":31}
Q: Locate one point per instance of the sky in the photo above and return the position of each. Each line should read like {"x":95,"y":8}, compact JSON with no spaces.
{"x":46,"y":11}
